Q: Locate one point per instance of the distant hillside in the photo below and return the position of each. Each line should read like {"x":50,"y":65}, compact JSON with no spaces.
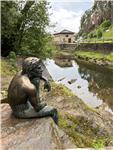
{"x":101,"y":11}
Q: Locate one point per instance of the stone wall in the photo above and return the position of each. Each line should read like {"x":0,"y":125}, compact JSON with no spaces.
{"x":66,"y":46}
{"x":98,"y":47}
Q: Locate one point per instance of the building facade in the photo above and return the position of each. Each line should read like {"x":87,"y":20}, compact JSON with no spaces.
{"x":64,"y":37}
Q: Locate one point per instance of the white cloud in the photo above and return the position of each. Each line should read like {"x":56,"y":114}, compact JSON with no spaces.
{"x":65,"y":19}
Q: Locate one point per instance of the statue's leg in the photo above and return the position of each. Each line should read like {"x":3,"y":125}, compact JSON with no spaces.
{"x":31,"y":113}
{"x":49,"y":111}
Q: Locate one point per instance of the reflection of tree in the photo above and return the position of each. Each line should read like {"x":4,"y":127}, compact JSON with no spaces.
{"x":100,"y":83}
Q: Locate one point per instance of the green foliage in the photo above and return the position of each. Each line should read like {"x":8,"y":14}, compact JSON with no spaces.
{"x":82,"y":131}
{"x":84,"y":35}
{"x":12,"y":60}
{"x":110,"y":57}
{"x":13,"y":64}
{"x":106,"y":24}
{"x":9,"y":16}
{"x":109,"y":33}
{"x":7,"y":68}
{"x":99,"y":33}
{"x":61,"y":90}
{"x":12,"y":55}
{"x":98,"y":143}
{"x":90,"y":35}
{"x":24,"y":28}
{"x":94,"y":55}
{"x":87,"y":54}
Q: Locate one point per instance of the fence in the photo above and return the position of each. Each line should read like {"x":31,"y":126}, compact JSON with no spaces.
{"x":101,"y":40}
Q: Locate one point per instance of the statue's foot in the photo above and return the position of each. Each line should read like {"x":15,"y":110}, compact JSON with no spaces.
{"x":55,"y":115}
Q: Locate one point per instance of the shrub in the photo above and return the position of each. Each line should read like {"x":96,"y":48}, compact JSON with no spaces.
{"x":12,"y":55}
{"x":84,"y":35}
{"x":99,"y":33}
{"x":90,"y":35}
{"x":12,"y":60}
{"x":106,"y":24}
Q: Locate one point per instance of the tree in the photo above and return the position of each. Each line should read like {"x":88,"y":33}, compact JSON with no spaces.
{"x":36,"y":39}
{"x":9,"y":18}
{"x":27,"y":27}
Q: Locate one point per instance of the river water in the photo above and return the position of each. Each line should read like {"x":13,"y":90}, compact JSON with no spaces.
{"x":93,"y":86}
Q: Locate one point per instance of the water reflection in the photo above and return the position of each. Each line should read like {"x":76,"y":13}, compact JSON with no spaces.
{"x":93,"y":86}
{"x":100,"y":83}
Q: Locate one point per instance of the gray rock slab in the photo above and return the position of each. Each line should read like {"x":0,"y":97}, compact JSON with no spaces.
{"x":31,"y":134}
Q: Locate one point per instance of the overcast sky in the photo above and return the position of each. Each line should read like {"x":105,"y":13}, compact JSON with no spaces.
{"x":66,"y":14}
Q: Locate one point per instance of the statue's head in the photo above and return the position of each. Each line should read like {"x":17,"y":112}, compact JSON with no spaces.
{"x":32,"y":67}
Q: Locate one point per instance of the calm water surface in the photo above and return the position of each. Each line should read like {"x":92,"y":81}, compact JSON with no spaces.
{"x":93,"y":86}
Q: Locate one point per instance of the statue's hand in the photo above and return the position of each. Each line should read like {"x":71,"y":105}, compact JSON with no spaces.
{"x":47,"y":86}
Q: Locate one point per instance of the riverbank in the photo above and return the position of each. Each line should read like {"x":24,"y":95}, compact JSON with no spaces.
{"x":85,"y":127}
{"x":100,"y":59}
{"x":87,"y":57}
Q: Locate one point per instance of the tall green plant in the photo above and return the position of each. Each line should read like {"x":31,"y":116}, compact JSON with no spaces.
{"x":99,"y":33}
{"x":25,"y":30}
{"x":9,"y":17}
{"x":36,"y":40}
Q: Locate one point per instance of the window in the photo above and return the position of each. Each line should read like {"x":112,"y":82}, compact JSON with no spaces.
{"x":67,"y":35}
{"x":69,"y":40}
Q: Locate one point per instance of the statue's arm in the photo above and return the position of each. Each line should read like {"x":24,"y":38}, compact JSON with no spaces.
{"x":44,"y":79}
{"x":32,"y":97}
{"x":47,"y":84}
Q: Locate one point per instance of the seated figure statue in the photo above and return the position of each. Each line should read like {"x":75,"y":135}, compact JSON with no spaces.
{"x":23,"y":92}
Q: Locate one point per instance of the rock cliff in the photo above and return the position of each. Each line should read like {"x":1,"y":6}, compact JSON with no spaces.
{"x":101,"y":10}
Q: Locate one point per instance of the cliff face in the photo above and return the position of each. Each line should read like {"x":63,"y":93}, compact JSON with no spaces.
{"x":101,"y":10}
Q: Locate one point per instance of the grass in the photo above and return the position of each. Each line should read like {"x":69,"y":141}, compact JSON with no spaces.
{"x":7,"y":68}
{"x":81,"y":131}
{"x":60,"y":90}
{"x":98,"y":143}
{"x":89,"y":54}
{"x":109,"y":33}
{"x":110,"y":57}
{"x":94,"y":55}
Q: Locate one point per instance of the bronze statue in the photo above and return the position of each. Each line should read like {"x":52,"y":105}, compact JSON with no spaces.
{"x":23,"y":92}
